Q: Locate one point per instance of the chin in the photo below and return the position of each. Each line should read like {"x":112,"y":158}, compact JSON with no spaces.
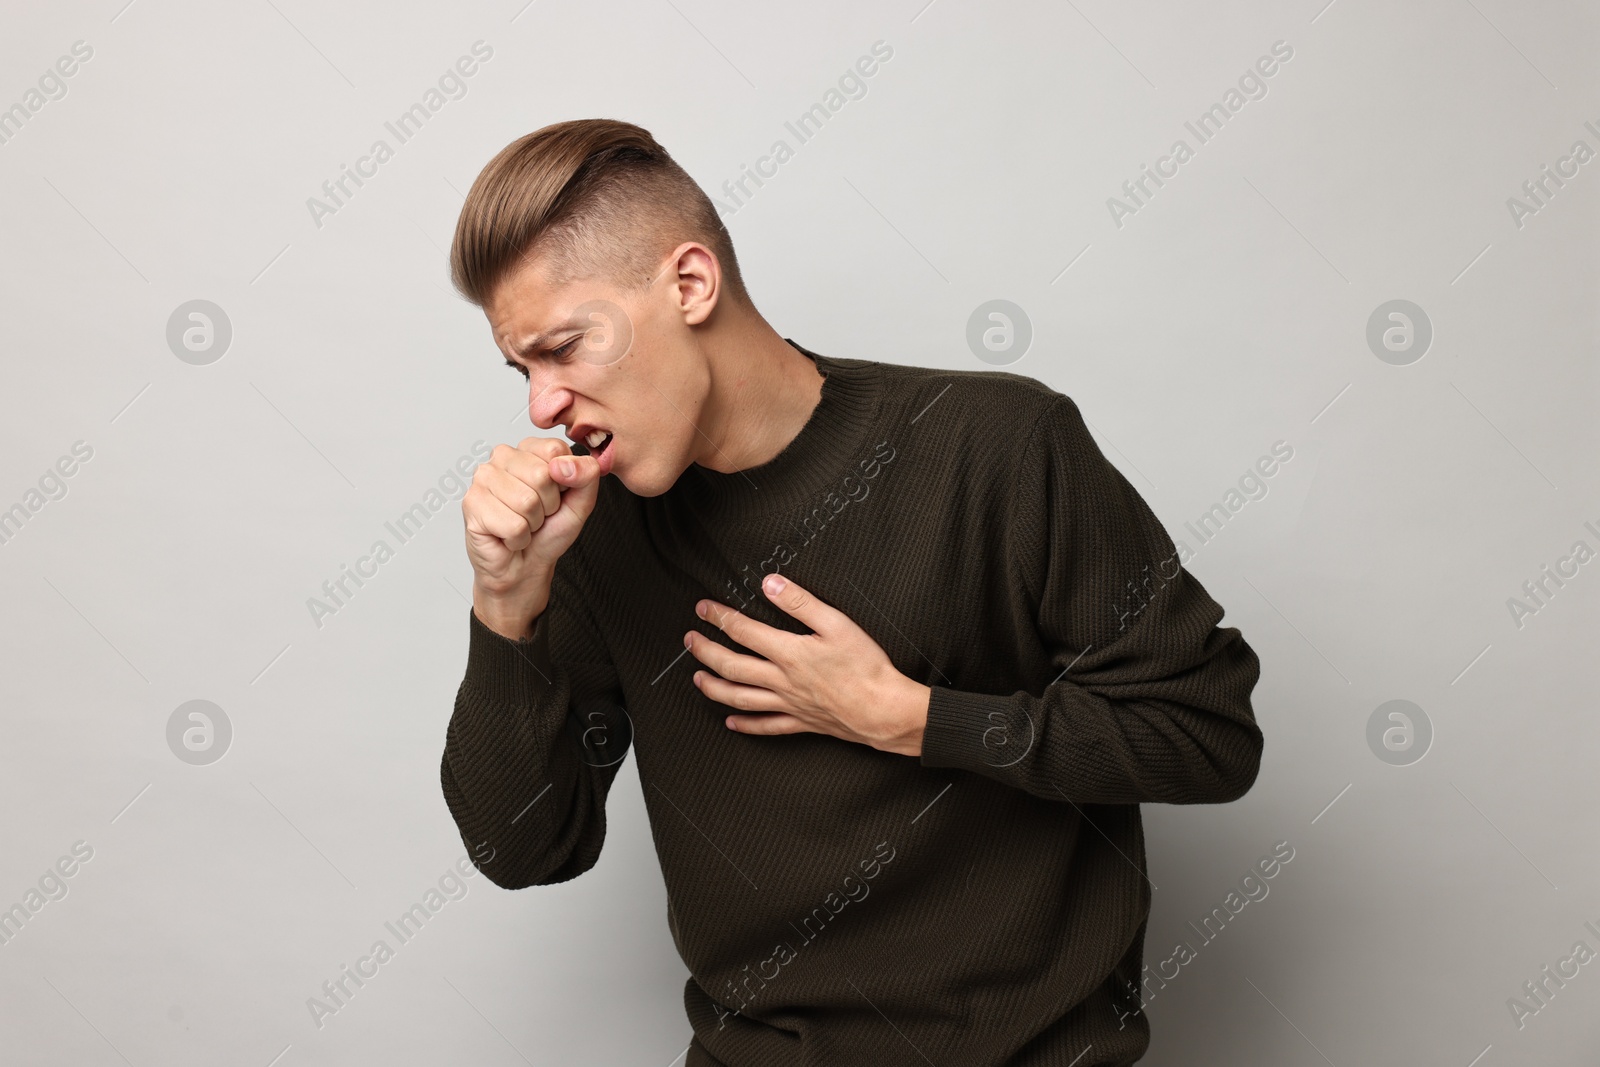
{"x":646,"y":490}
{"x":633,"y":483}
{"x":648,"y":483}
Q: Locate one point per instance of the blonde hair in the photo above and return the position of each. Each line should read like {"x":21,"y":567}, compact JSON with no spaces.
{"x":600,"y":196}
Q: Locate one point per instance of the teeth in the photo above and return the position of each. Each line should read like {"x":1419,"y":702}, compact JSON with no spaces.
{"x":595,"y":438}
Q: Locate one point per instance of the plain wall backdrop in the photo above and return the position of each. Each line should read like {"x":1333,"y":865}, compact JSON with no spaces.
{"x":1240,"y":303}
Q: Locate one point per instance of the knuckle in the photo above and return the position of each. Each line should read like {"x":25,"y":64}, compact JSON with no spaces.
{"x":533,"y":480}
{"x":544,"y":447}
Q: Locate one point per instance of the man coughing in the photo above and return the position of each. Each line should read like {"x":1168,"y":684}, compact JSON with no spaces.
{"x":898,"y":652}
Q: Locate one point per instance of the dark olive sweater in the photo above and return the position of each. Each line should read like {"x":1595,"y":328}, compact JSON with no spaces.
{"x":981,"y":905}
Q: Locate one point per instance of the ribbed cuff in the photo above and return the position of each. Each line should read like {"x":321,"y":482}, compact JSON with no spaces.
{"x":975,"y":732}
{"x":507,"y":672}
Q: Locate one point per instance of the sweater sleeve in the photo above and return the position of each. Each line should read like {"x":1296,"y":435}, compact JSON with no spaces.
{"x":537,"y":736}
{"x":1150,"y":700}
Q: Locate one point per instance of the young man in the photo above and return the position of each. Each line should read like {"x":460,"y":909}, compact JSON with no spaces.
{"x":898,"y":652}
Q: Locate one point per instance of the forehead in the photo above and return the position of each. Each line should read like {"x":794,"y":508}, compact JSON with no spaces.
{"x":528,"y":280}
{"x":527,"y":308}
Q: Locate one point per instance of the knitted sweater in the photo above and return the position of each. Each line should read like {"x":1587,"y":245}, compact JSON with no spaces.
{"x":981,"y":905}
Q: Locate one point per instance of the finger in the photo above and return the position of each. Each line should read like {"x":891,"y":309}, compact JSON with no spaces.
{"x":585,"y":469}
{"x":489,"y":515}
{"x":532,"y":501}
{"x":756,"y":636}
{"x":544,"y":447}
{"x":742,"y":697}
{"x":530,"y":468}
{"x":582,"y":485}
{"x":801,"y":604}
{"x":537,"y":462}
{"x":769,"y":724}
{"x":748,"y":670}
{"x":529,"y":461}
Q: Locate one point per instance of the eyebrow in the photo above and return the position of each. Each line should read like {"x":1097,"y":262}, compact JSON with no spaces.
{"x":539,"y":340}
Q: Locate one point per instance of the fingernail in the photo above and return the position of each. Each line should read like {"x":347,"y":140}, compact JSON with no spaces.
{"x":700,"y":609}
{"x":688,"y":640}
{"x":564,"y":467}
{"x":774,"y":584}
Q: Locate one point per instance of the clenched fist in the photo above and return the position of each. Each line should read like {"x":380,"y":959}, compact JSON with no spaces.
{"x":522,"y":511}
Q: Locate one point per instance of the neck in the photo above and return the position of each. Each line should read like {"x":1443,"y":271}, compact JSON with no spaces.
{"x":762,"y":392}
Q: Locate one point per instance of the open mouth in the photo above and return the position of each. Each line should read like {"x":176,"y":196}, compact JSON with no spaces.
{"x":596,"y":443}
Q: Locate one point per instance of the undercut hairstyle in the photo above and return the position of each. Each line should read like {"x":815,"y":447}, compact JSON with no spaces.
{"x":594,"y":198}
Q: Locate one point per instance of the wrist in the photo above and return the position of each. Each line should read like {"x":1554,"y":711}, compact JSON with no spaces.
{"x":511,"y":615}
{"x":909,"y":699}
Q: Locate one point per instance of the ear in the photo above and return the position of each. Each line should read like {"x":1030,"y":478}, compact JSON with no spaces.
{"x":696,"y":276}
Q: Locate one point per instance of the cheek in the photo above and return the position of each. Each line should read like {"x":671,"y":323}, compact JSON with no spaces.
{"x":676,"y":436}
{"x":669,"y":417}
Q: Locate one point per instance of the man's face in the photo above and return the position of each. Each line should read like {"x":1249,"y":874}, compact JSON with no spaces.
{"x":597,"y":360}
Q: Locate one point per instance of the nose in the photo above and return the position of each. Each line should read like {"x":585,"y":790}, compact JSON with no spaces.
{"x":546,"y":402}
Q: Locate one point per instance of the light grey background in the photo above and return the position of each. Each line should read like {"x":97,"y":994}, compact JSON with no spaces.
{"x":1228,"y":314}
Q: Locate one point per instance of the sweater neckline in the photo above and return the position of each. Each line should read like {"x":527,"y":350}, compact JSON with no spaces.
{"x":833,"y":435}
